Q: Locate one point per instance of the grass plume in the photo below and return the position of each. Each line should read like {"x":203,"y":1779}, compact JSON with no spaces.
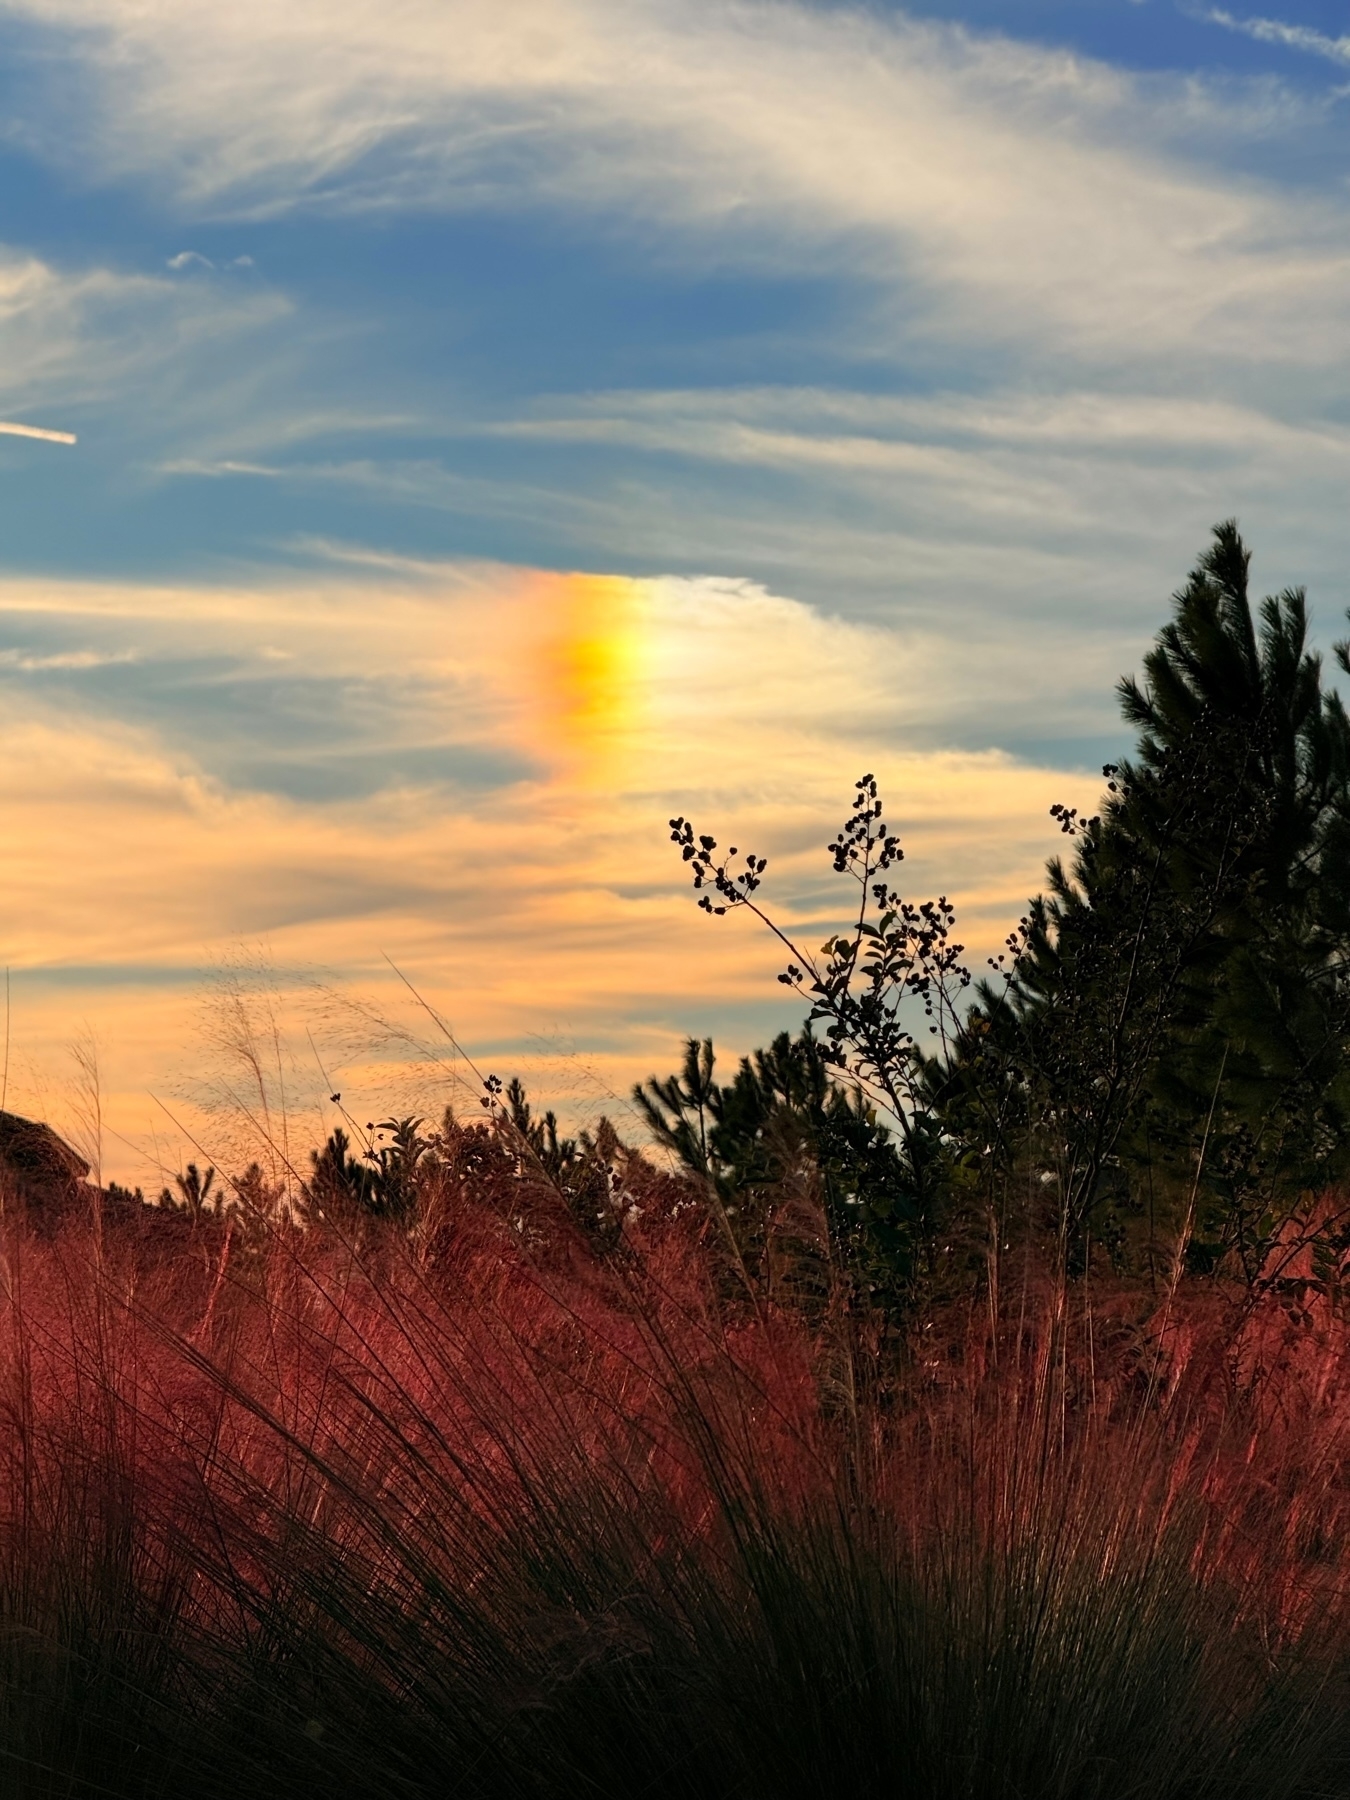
{"x":496,"y":1513}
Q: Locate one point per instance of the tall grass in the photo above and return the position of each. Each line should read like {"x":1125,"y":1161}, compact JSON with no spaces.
{"x":301,"y":1518}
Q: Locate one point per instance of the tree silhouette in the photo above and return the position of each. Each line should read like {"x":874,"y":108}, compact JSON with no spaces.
{"x":1166,"y":1044}
{"x":1178,"y":1012}
{"x":783,"y":1140}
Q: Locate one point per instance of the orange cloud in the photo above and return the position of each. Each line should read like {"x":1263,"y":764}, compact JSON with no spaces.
{"x":545,"y":915}
{"x":586,"y":656}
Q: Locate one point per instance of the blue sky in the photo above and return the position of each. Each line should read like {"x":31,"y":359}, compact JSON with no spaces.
{"x":946,"y":331}
{"x":391,"y":297}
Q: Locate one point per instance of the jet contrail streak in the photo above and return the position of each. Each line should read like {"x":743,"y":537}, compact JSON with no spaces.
{"x":37,"y":431}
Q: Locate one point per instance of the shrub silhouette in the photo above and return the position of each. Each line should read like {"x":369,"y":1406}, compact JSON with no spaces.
{"x":1161,"y":1052}
{"x":800,"y":1172}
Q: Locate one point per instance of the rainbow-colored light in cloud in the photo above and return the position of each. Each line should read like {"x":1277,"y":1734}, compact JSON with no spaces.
{"x":541,"y":910}
{"x":589,"y":634}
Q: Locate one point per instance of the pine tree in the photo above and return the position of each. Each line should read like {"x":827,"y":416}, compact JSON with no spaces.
{"x":1178,"y":1019}
{"x":783,"y":1140}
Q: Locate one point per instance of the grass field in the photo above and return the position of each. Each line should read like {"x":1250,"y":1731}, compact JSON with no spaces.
{"x":492,"y":1513}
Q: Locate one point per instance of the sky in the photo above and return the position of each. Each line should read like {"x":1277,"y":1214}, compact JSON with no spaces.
{"x":501,"y":428}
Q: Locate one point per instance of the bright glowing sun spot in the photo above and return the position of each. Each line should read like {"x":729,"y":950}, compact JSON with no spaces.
{"x":588,"y":632}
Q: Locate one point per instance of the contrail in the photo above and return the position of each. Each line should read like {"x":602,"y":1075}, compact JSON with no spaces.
{"x":37,"y":431}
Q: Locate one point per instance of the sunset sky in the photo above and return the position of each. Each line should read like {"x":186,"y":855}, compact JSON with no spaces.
{"x":500,"y":427}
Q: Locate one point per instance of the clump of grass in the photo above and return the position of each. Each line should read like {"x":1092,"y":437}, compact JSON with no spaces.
{"x":95,"y":1602}
{"x":524,"y":1519}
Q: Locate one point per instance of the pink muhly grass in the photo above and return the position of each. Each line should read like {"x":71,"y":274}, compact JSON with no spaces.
{"x":311,"y":1517}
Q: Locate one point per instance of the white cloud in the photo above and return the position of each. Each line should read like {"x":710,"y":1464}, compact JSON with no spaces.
{"x":1293,"y":37}
{"x":1073,"y":418}
{"x":9,"y":428}
{"x":76,"y":337}
{"x":191,"y":465}
{"x":1048,"y":529}
{"x":1071,"y":457}
{"x":187,"y":259}
{"x":1006,"y":187}
{"x":30,"y":663}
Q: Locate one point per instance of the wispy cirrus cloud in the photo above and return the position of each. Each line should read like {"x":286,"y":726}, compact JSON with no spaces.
{"x":1005,"y":188}
{"x":1014,"y":219}
{"x":1046,"y":319}
{"x":10,"y":428}
{"x":985,"y":520}
{"x":223,"y":466}
{"x":1291,"y":37}
{"x":28,"y":662}
{"x":76,"y":337}
{"x":1004,"y":455}
{"x":141,"y":851}
{"x":193,"y":259}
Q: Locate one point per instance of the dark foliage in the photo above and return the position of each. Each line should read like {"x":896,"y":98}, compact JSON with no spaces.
{"x":1163,"y":1051}
{"x":379,"y":1184}
{"x":585,"y":1170}
{"x":786,"y":1154}
{"x":1179,"y":1014}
